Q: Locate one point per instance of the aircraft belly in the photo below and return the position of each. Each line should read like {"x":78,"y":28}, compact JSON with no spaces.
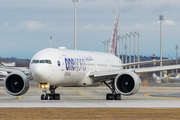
{"x":68,"y":79}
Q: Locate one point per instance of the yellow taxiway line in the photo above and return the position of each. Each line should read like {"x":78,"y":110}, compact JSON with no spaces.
{"x":161,"y":97}
{"x":19,"y":97}
{"x":82,"y":94}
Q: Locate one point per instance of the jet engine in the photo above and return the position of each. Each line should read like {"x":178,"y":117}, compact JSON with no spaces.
{"x":16,"y":83}
{"x":127,"y":83}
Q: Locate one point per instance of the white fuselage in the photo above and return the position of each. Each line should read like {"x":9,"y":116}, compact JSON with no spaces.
{"x":59,"y":67}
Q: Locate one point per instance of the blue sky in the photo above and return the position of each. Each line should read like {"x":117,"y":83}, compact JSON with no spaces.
{"x":26,"y":26}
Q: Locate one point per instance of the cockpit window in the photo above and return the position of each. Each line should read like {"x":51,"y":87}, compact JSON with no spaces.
{"x":41,"y":61}
{"x":48,"y":61}
{"x":35,"y":61}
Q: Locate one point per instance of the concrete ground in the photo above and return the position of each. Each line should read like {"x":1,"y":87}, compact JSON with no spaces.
{"x":150,"y":103}
{"x":94,"y":97}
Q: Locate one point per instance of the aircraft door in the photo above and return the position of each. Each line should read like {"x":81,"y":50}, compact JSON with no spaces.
{"x":61,"y":63}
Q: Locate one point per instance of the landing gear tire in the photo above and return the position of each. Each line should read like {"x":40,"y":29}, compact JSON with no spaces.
{"x":113,"y":97}
{"x":56,"y":96}
{"x":117,"y":97}
{"x":52,"y":95}
{"x":42,"y":97}
{"x":109,"y":97}
{"x":46,"y":97}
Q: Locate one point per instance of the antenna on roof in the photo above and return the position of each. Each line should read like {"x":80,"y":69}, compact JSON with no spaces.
{"x":51,"y":41}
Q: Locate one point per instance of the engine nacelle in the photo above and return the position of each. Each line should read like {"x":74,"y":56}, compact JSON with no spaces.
{"x":16,"y":83}
{"x":127,"y":83}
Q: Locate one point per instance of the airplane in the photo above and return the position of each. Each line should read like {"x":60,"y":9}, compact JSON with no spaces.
{"x":1,"y":65}
{"x":53,"y":68}
{"x":166,"y":79}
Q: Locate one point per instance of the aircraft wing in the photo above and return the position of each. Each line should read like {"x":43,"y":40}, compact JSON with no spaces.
{"x":153,"y":69}
{"x":146,"y":62}
{"x":107,"y":75}
{"x":9,"y":70}
{"x":103,"y":75}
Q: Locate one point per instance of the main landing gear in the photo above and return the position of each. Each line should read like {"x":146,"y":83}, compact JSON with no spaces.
{"x":52,"y":95}
{"x":113,"y":95}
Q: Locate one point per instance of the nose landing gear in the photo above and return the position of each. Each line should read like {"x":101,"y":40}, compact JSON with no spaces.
{"x":50,"y":96}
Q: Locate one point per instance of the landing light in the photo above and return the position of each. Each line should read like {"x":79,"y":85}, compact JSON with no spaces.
{"x":44,"y":85}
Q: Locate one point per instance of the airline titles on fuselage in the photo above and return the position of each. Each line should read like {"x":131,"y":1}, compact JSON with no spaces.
{"x":77,"y":64}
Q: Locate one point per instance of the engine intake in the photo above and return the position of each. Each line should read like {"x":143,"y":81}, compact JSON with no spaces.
{"x":16,"y":83}
{"x":127,"y":83}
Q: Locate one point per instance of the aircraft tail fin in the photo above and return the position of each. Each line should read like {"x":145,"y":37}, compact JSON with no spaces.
{"x":165,"y":75}
{"x":1,"y":65}
{"x":113,"y":41}
{"x":178,"y":76}
{"x":158,"y":79}
{"x":154,"y":75}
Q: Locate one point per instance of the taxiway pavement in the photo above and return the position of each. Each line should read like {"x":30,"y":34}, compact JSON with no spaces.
{"x":94,"y":97}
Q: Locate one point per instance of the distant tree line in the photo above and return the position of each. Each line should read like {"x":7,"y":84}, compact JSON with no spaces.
{"x":18,"y":62}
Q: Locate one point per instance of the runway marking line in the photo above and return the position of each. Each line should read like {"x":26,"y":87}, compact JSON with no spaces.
{"x":19,"y":97}
{"x":82,"y":94}
{"x":4,"y":93}
{"x":160,"y":97}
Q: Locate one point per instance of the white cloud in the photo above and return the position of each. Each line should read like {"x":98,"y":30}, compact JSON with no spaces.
{"x":6,"y":24}
{"x":100,"y":26}
{"x":170,"y":23}
{"x":31,"y":25}
{"x":155,"y":24}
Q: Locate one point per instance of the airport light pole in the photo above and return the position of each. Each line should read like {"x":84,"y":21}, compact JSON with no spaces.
{"x":75,"y":23}
{"x":108,"y":41}
{"x":134,"y":46}
{"x":118,"y":46}
{"x":138,"y":44}
{"x":176,"y":58}
{"x":125,"y":49}
{"x":51,"y":41}
{"x":161,"y":18}
{"x":104,"y":46}
{"x":129,"y":49}
{"x":122,"y":49}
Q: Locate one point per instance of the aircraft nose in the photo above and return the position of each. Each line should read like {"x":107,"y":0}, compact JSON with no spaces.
{"x":37,"y":71}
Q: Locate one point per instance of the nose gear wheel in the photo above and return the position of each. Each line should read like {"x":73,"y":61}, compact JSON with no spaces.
{"x":52,"y":95}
